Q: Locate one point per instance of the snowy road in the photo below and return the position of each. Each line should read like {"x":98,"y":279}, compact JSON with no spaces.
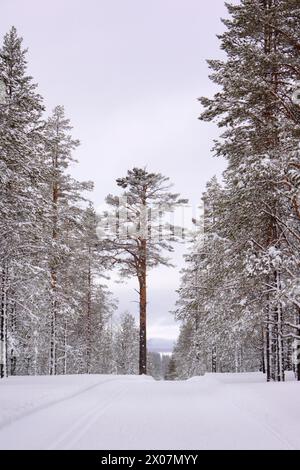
{"x":102,"y":412}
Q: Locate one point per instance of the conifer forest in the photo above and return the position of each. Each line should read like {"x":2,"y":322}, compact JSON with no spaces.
{"x":87,"y":283}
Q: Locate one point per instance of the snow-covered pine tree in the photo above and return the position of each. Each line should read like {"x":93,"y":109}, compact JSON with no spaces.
{"x":154,"y":365}
{"x":126,"y":346}
{"x":171,"y":373}
{"x":102,"y":357}
{"x":261,"y":137}
{"x":50,"y":259}
{"x":95,"y":306}
{"x":215,"y":323}
{"x":22,"y":173}
{"x":65,"y":227}
{"x":92,"y":350}
{"x":139,"y":234}
{"x":181,"y":351}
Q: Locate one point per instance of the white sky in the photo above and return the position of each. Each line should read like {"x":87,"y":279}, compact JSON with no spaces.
{"x":129,"y":73}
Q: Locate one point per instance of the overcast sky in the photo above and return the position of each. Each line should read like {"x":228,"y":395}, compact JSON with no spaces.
{"x":129,"y":73}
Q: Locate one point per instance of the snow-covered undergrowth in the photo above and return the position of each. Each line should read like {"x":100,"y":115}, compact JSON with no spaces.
{"x":217,"y":411}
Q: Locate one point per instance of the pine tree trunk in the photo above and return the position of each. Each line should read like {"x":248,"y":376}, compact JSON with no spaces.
{"x":268,"y":352}
{"x":36,"y":355}
{"x":236,"y":359}
{"x":297,"y":352}
{"x":264,"y":351}
{"x":53,"y":324}
{"x":66,"y":348}
{"x":143,"y":309}
{"x":289,"y":356}
{"x":53,"y":271}
{"x":197,"y":344}
{"x":272,"y":356}
{"x":13,"y":359}
{"x":89,"y":325}
{"x":3,"y":335}
{"x":273,"y":348}
{"x":214,"y":360}
{"x":280,"y":360}
{"x":13,"y":363}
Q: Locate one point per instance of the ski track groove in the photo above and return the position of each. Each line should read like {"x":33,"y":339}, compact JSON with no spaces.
{"x":75,"y":431}
{"x":49,"y":404}
{"x":85,"y":422}
{"x":264,"y":425}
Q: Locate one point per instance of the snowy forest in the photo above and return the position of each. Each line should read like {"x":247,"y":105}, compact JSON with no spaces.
{"x":238,"y":303}
{"x":56,"y":310}
{"x":239,"y":298}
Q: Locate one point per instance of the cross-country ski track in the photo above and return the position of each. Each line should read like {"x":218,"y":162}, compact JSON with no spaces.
{"x":112,"y":412}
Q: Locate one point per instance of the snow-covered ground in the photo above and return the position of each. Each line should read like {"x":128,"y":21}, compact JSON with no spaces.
{"x":109,"y":412}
